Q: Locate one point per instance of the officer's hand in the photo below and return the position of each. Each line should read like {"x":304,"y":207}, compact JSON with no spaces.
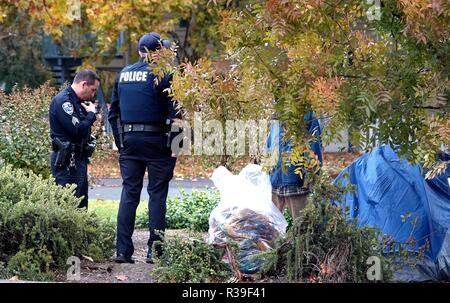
{"x":89,"y":108}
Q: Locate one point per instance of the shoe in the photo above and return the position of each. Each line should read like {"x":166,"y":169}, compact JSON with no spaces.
{"x":159,"y":252}
{"x":149,"y":258}
{"x":122,"y":259}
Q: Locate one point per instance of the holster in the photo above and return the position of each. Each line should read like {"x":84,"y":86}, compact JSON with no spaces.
{"x":63,"y":151}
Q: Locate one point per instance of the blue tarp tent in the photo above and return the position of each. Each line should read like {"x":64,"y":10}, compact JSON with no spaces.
{"x":393,"y":195}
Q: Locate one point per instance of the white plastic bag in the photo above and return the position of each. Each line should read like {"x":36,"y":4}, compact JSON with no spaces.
{"x":245,"y":214}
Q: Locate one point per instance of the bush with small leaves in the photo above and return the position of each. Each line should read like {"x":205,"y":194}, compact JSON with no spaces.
{"x":41,"y":226}
{"x":32,"y":264}
{"x":190,"y":260}
{"x":24,"y":128}
{"x":323,"y":245}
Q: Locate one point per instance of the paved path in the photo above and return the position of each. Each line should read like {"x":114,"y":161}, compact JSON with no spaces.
{"x":110,"y":188}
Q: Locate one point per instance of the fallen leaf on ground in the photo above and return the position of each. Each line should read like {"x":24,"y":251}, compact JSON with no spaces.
{"x":121,"y":277}
{"x":88,"y":258}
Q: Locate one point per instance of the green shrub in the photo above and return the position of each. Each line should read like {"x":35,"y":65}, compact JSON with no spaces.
{"x":141,"y":219}
{"x":323,"y":246}
{"x":288,"y":217}
{"x":32,"y":264}
{"x":4,"y":273}
{"x":190,"y":211}
{"x":24,"y":129}
{"x":190,"y":260}
{"x":40,"y":226}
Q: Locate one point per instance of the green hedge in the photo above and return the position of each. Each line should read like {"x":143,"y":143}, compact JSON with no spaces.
{"x":190,"y":211}
{"x":40,"y":227}
{"x":24,"y":129}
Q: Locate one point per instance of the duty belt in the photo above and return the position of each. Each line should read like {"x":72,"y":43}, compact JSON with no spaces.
{"x":77,"y":148}
{"x":142,"y":128}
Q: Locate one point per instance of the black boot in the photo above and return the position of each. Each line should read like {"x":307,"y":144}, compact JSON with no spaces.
{"x":121,"y":258}
{"x":158,"y":237}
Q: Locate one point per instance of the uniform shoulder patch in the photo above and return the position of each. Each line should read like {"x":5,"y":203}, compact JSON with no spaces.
{"x":68,"y":108}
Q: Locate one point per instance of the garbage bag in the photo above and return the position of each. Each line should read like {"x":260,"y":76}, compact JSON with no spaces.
{"x":245,"y":215}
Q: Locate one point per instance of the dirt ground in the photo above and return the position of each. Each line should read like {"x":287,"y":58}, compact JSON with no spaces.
{"x":140,"y":272}
{"x":111,"y":272}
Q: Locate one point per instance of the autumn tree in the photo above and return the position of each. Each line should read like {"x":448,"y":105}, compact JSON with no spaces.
{"x":383,"y":75}
{"x":20,"y":52}
{"x":192,"y":23}
{"x":381,"y":71}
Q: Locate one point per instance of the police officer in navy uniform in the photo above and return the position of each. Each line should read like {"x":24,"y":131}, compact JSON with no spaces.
{"x":140,"y":113}
{"x":72,"y":114}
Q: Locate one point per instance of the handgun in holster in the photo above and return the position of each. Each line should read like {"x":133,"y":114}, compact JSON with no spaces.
{"x":63,"y":151}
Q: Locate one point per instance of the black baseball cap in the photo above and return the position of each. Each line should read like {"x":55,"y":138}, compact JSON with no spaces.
{"x":150,"y":41}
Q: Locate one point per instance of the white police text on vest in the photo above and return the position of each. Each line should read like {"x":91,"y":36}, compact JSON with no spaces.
{"x":133,"y":76}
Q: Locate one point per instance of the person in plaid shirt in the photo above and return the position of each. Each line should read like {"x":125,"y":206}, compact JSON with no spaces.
{"x":287,"y":187}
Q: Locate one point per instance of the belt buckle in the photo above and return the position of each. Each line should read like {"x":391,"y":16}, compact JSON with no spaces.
{"x":130,"y":127}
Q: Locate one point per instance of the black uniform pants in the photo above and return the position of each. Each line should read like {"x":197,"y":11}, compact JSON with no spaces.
{"x":160,"y":172}
{"x":73,"y":175}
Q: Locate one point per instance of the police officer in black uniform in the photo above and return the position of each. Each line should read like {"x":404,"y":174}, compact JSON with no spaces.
{"x":140,"y":115}
{"x":72,"y":114}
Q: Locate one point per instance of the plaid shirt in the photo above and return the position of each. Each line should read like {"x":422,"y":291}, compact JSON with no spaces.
{"x":289,"y":190}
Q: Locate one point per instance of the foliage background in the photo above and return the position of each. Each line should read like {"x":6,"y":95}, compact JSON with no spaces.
{"x":24,"y":129}
{"x":21,"y":52}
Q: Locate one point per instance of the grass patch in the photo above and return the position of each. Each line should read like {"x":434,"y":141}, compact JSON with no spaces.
{"x":108,"y":209}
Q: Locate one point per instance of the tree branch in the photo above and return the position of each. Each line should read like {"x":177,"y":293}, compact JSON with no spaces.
{"x":267,"y":67}
{"x":6,"y":36}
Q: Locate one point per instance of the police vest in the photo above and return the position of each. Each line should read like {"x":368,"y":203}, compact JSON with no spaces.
{"x":139,"y":98}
